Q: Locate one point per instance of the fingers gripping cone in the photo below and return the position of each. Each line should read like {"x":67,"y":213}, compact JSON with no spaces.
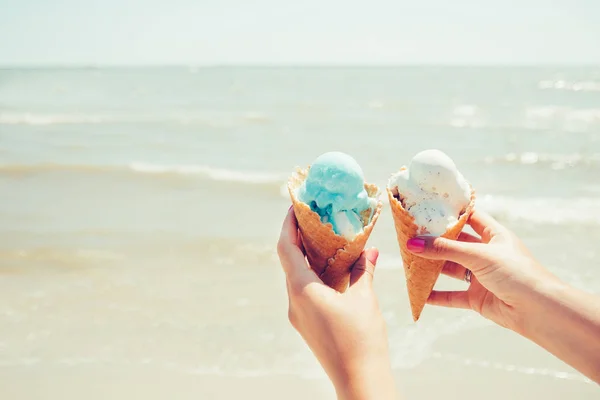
{"x":330,"y":255}
{"x":421,"y":274}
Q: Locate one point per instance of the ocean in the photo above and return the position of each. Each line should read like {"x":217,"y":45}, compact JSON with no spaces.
{"x":140,"y":209}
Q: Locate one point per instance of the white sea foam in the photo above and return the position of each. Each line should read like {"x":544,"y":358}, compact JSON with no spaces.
{"x":519,"y":369}
{"x":202,"y":171}
{"x":543,"y":210}
{"x":50,"y":119}
{"x":555,"y":161}
{"x":214,"y":173}
{"x":563,"y":118}
{"x":540,"y":210}
{"x":534,"y":117}
{"x":467,"y":116}
{"x":185,"y":118}
{"x":241,"y":372}
{"x":575,"y":86}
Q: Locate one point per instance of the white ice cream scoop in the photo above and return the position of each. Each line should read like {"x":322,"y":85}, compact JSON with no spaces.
{"x":433,"y":191}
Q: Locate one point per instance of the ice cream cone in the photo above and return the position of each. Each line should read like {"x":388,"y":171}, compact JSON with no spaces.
{"x":421,"y":274}
{"x":331,"y":256}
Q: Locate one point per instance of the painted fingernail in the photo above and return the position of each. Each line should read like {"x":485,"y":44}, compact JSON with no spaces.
{"x":292,"y":206}
{"x":416,"y":245}
{"x":372,"y":255}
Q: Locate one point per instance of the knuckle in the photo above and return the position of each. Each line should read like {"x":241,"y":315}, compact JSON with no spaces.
{"x":360,"y":270}
{"x":492,"y":255}
{"x":440,"y":247}
{"x":488,"y":233}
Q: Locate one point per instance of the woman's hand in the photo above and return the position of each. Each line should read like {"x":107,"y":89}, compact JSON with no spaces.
{"x":510,"y":288}
{"x":346,"y":332}
{"x":504,"y":274}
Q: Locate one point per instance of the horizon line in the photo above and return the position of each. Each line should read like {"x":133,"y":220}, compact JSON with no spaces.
{"x":288,"y":65}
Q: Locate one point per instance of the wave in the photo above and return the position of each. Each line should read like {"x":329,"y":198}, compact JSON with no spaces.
{"x":137,"y":168}
{"x":241,"y":371}
{"x":218,"y":251}
{"x":540,"y":210}
{"x":31,"y":169}
{"x":575,"y":86}
{"x":256,"y":117}
{"x":50,"y":119}
{"x":534,"y":117}
{"x":520,"y":369}
{"x":467,"y":116}
{"x":217,"y":174}
{"x":55,"y":256}
{"x":555,"y":161}
{"x":543,"y":210}
{"x":564,"y":118}
{"x":43,"y":119}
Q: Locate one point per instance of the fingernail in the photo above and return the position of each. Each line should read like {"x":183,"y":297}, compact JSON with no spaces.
{"x":416,"y":245}
{"x":373,"y":255}
{"x":292,"y":206}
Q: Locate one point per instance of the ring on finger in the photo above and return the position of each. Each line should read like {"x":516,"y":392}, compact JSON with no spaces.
{"x":468,"y":275}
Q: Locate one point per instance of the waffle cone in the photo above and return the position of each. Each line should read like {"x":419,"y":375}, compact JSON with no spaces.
{"x":331,"y":256}
{"x":421,"y":274}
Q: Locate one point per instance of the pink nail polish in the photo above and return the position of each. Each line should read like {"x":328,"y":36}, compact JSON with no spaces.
{"x":372,"y":255}
{"x":416,"y":245}
{"x":292,"y":206}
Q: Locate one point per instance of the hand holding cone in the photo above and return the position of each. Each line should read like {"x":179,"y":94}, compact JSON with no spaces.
{"x":430,"y":197}
{"x":421,"y":274}
{"x":330,"y":255}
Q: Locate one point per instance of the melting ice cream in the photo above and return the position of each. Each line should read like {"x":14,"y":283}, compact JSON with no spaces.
{"x":432,"y":190}
{"x":334,"y":189}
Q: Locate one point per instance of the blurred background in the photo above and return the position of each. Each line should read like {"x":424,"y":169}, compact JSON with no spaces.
{"x":144,"y":147}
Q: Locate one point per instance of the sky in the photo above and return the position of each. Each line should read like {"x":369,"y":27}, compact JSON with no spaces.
{"x":302,"y":32}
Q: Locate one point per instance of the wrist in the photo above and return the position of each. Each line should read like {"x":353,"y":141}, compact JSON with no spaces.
{"x":564,"y":320}
{"x":523,"y":296}
{"x":366,"y":380}
{"x":545,"y":295}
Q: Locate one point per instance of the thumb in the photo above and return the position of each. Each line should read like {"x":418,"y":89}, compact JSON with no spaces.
{"x":438,"y":248}
{"x":364,"y":268}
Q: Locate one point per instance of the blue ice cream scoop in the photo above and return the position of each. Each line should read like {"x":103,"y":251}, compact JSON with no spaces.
{"x":334,"y":189}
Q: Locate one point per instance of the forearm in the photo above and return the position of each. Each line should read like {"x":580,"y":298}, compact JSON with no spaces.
{"x":370,"y":381}
{"x":566,"y":322}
